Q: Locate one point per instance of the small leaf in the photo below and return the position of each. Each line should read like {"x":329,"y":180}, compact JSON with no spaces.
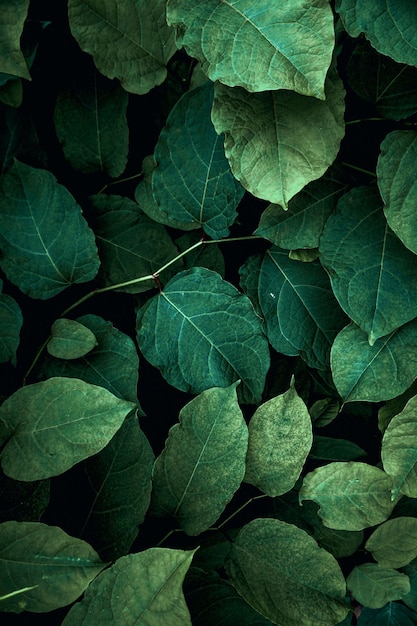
{"x":131,"y":42}
{"x":203,"y":462}
{"x":351,"y":495}
{"x":70,"y":339}
{"x":55,"y":424}
{"x":46,"y":243}
{"x":373,"y":585}
{"x":55,"y":567}
{"x":291,"y":45}
{"x":324,"y":411}
{"x":11,"y":320}
{"x":281,"y":571}
{"x":332,"y":449}
{"x":141,"y":589}
{"x":280,"y":439}
{"x":394,"y":543}
{"x":278,"y":141}
{"x":13,"y":16}
{"x":202,"y":332}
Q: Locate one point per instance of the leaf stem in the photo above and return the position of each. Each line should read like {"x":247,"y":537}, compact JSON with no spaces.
{"x":358,"y":169}
{"x":120,"y":180}
{"x":262,"y":495}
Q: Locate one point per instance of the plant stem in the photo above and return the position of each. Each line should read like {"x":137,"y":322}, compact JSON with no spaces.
{"x":358,"y":169}
{"x":117,"y":182}
{"x":263,"y":495}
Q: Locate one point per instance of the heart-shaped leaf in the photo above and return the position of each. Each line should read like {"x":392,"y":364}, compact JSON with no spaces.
{"x":70,"y":339}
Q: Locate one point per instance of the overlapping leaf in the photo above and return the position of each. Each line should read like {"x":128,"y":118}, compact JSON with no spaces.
{"x":11,"y":320}
{"x":278,"y":141}
{"x":374,"y":586}
{"x":392,"y":614}
{"x":46,"y":242}
{"x":70,"y":339}
{"x":291,"y":44}
{"x":394,"y":543}
{"x":13,"y":16}
{"x":129,"y":41}
{"x":201,"y":332}
{"x":203,"y":462}
{"x":370,"y":270}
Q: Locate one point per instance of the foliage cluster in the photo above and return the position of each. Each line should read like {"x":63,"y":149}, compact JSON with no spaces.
{"x":208,"y":312}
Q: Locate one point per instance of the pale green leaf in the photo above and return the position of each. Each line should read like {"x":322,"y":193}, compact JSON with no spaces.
{"x":397,"y":184}
{"x":192,"y":183}
{"x":373,"y":585}
{"x":143,"y":589}
{"x":291,"y":44}
{"x":90,"y":122}
{"x":278,"y":141}
{"x":129,"y":41}
{"x":203,"y":462}
{"x":55,"y":567}
{"x":399,"y":450}
{"x":281,"y":571}
{"x":70,"y":339}
{"x":56,"y":423}
{"x":280,"y":438}
{"x":12,"y":19}
{"x":201,"y":332}
{"x":11,"y":320}
{"x":394,"y":543}
{"x":374,"y":373}
{"x":370,"y":269}
{"x":351,"y":495}
{"x":387,"y":24}
{"x":46,"y":243}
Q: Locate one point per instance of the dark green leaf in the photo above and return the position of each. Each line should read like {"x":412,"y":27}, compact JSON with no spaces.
{"x":333,"y":449}
{"x":411,"y":598}
{"x":324,"y":411}
{"x":209,"y":256}
{"x":394,"y":543}
{"x":23,"y":501}
{"x":373,"y":585}
{"x":11,"y":320}
{"x":12,"y":19}
{"x":70,"y":339}
{"x":392,"y":614}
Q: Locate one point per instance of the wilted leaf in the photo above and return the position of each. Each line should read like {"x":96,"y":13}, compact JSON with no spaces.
{"x":11,"y":320}
{"x":70,"y":339}
{"x":394,"y":543}
{"x":373,"y":585}
{"x":12,"y":19}
{"x":203,"y":462}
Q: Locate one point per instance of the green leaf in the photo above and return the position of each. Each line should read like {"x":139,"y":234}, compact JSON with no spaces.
{"x":397,"y":184}
{"x":138,"y":590}
{"x":335,"y":449}
{"x":18,"y":138}
{"x":399,"y":452}
{"x":351,"y":495}
{"x":281,"y":571}
{"x":203,"y":462}
{"x":120,"y":481}
{"x":131,"y":42}
{"x":70,"y":339}
{"x":370,"y":270}
{"x":55,"y":424}
{"x":373,"y":585}
{"x":130,"y":244}
{"x":392,"y":614}
{"x":13,"y":16}
{"x":46,"y":243}
{"x":280,"y":439}
{"x":411,"y":598}
{"x":395,"y":406}
{"x":90,"y":121}
{"x":192,"y":183}
{"x":290,"y":45}
{"x":55,"y":567}
{"x":394,"y":543}
{"x":201,"y":332}
{"x":324,"y":411}
{"x":385,"y":23}
{"x":113,"y":364}
{"x":11,"y":320}
{"x":278,"y":141}
{"x":300,"y":311}
{"x":204,"y":256}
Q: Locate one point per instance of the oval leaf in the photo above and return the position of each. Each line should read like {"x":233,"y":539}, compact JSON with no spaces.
{"x":394,"y":543}
{"x":55,"y":567}
{"x":270,"y":565}
{"x":373,"y":585}
{"x":13,"y":16}
{"x":55,"y":424}
{"x":70,"y":339}
{"x":203,"y":462}
{"x":202,"y":332}
{"x":11,"y":320}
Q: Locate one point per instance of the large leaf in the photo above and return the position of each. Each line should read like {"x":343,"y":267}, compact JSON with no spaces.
{"x":13,"y":16}
{"x":278,"y":141}
{"x":370,"y":269}
{"x":56,"y":423}
{"x":138,"y":590}
{"x":373,"y":585}
{"x":374,"y":373}
{"x":300,"y":311}
{"x":385,"y":23}
{"x":70,"y":339}
{"x":351,"y":495}
{"x":203,"y":462}
{"x":129,"y":41}
{"x":113,"y":364}
{"x":290,"y":44}
{"x":281,"y":571}
{"x":55,"y":567}
{"x":392,"y":614}
{"x":120,"y":482}
{"x":192,"y":183}
{"x":280,"y":438}
{"x":11,"y":320}
{"x":394,"y":543}
{"x":202,"y":332}
{"x":90,"y":121}
{"x":397,"y":184}
{"x":45,"y":241}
